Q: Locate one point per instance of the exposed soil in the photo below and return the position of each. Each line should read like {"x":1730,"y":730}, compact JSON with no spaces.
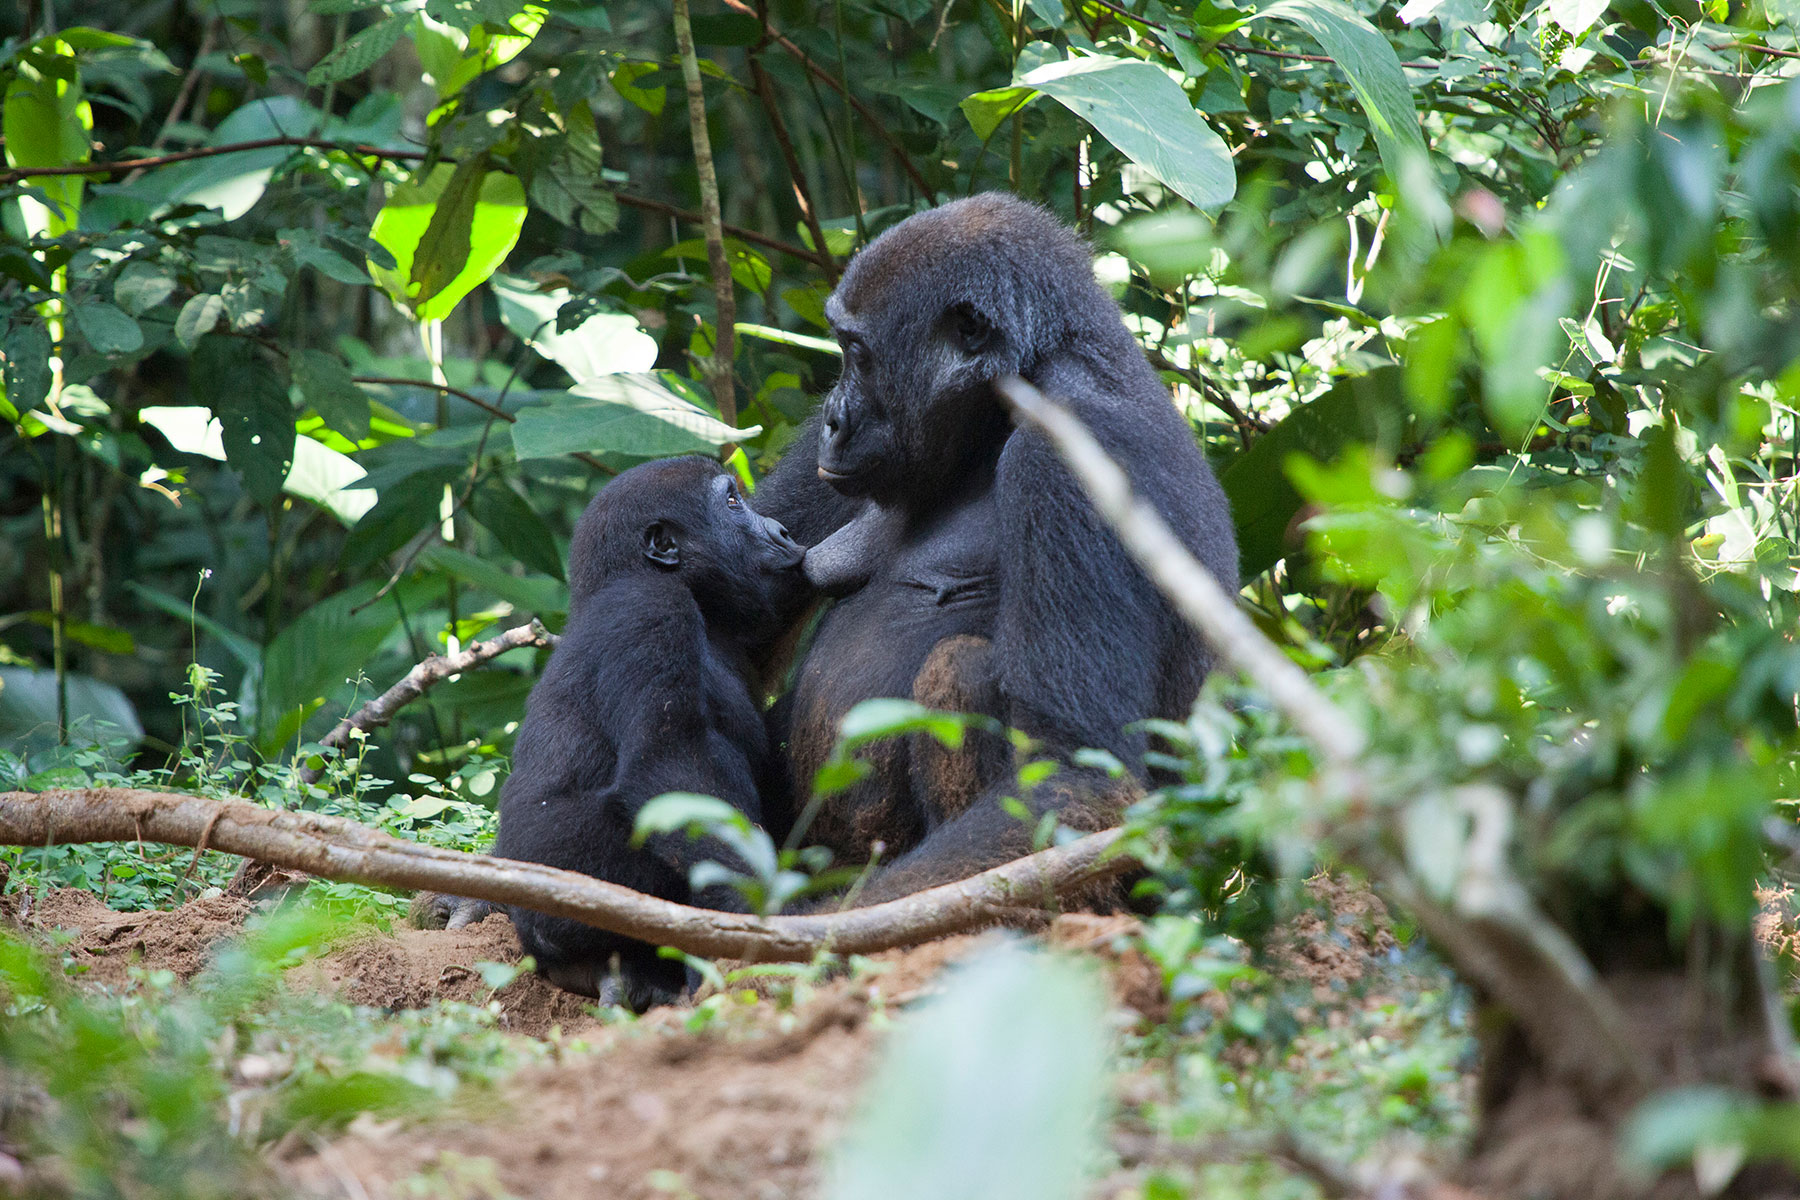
{"x":745,"y":1108}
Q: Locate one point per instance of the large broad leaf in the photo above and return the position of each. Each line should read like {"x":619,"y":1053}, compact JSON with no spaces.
{"x":454,"y":53}
{"x":622,"y":414}
{"x":1372,"y":67}
{"x":1364,"y":408}
{"x":1145,"y":114}
{"x":327,"y":385}
{"x":993,"y":1092}
{"x":482,"y":213}
{"x":251,"y":402}
{"x":233,"y":183}
{"x":511,"y":519}
{"x":329,"y":643}
{"x":604,"y":344}
{"x":530,"y":593}
{"x":98,"y":712}
{"x":48,"y":123}
{"x":319,"y":473}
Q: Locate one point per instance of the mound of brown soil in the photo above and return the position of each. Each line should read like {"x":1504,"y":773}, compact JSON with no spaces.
{"x":414,"y":967}
{"x":655,"y":1114}
{"x":104,"y":945}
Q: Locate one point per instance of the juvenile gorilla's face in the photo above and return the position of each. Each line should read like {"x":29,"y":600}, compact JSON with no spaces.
{"x":740,"y":565}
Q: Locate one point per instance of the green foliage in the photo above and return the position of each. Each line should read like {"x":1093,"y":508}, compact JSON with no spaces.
{"x":994,"y":1091}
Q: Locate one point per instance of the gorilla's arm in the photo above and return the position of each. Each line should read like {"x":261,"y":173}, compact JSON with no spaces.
{"x":794,"y":494}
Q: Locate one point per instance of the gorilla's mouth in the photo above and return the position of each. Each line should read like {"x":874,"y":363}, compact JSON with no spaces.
{"x":831,"y":476}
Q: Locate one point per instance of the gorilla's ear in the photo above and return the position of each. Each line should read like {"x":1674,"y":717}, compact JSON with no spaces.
{"x":971,"y":328}
{"x":660,"y":546}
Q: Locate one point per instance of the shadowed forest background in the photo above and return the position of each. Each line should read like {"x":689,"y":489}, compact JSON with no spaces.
{"x":323,"y":319}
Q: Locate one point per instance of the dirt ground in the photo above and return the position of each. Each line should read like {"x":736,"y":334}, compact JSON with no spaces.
{"x":646,"y":1109}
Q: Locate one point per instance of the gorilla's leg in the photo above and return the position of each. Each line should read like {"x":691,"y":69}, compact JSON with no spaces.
{"x":956,"y":677}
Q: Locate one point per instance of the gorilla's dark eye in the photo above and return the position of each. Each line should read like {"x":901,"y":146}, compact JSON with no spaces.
{"x":732,"y":500}
{"x":972,"y":328}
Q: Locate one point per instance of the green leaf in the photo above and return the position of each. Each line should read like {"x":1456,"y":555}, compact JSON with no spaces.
{"x":107,"y":328}
{"x":872,"y":720}
{"x":604,"y":344}
{"x":628,"y":414}
{"x":360,"y":52}
{"x":28,"y":351}
{"x":402,"y":511}
{"x":530,"y":593}
{"x":1263,"y":502}
{"x":331,"y":642}
{"x":242,"y":389}
{"x":1145,"y":114}
{"x":937,"y":1122}
{"x":142,"y":286}
{"x":326,"y":385}
{"x":685,"y":810}
{"x":198,"y":317}
{"x":98,"y":712}
{"x":233,"y":183}
{"x":726,"y":29}
{"x":494,"y":204}
{"x":986,"y":111}
{"x":47,"y":122}
{"x":310,"y":252}
{"x":1373,"y":69}
{"x":443,"y":249}
{"x":566,"y":182}
{"x":624,"y":81}
{"x":516,"y":526}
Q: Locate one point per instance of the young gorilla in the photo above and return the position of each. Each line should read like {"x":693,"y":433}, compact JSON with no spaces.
{"x":974,"y":572}
{"x":673,"y":579}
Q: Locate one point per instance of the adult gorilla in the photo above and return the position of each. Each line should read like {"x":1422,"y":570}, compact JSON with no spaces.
{"x":972,"y":570}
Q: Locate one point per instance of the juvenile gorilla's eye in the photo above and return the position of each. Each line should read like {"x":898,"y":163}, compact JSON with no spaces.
{"x":732,"y":500}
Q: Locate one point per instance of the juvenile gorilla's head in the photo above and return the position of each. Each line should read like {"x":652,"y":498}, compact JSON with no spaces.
{"x":929,"y":315}
{"x":687,"y":519}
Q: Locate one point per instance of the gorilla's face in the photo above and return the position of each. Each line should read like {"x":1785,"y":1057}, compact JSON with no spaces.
{"x":911,"y":396}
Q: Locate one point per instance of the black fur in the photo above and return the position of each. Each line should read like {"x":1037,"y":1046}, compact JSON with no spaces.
{"x":948,"y":523}
{"x":673,"y":579}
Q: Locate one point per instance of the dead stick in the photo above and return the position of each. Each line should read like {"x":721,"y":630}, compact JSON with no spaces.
{"x":334,"y":848}
{"x":435,"y":669}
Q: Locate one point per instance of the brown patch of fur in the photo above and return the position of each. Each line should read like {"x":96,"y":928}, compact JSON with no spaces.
{"x":949,"y":780}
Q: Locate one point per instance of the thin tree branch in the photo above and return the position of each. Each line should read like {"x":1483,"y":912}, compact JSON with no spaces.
{"x":426,"y":675}
{"x":841,"y":88}
{"x":581,"y":456}
{"x":14,"y":175}
{"x":333,"y":848}
{"x":724,"y":388}
{"x":765,"y":92}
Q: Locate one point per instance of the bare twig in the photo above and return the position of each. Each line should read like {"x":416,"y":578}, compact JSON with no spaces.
{"x":841,"y":88}
{"x":724,"y":390}
{"x":765,"y":92}
{"x":333,"y":848}
{"x":426,"y":675}
{"x":581,"y":456}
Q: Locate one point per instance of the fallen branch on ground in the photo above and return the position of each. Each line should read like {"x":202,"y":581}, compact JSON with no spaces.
{"x":335,"y":848}
{"x":434,"y":670}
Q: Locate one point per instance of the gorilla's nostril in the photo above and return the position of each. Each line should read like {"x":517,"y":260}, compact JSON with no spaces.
{"x":831,"y":425}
